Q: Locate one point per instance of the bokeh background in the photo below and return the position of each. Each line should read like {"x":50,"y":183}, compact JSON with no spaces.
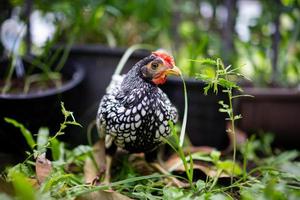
{"x":260,"y":34}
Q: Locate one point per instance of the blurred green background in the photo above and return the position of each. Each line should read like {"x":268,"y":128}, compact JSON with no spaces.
{"x":261,"y":35}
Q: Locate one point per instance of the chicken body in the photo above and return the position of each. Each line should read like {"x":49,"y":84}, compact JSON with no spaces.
{"x":135,"y":113}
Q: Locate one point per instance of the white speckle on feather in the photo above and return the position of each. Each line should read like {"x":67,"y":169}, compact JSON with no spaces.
{"x":134,"y":110}
{"x":132,"y":126}
{"x":139,"y":106}
{"x":143,"y":112}
{"x":133,"y":137}
{"x":127,"y":112}
{"x":162,"y":129}
{"x":121,"y":110}
{"x":161,"y":117}
{"x":137,"y":117}
{"x":138,"y":124}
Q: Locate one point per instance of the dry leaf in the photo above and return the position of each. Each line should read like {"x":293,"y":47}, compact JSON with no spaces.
{"x":201,"y":169}
{"x":174,"y":158}
{"x":6,"y":187}
{"x":91,"y":172}
{"x":43,"y":168}
{"x":195,"y":149}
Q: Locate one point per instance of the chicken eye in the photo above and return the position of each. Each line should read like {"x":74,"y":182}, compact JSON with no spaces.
{"x":154,"y":65}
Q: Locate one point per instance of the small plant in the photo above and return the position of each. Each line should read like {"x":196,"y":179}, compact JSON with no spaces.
{"x":43,"y":139}
{"x":43,"y":71}
{"x":38,"y":67}
{"x":221,"y":78}
{"x":266,"y":175}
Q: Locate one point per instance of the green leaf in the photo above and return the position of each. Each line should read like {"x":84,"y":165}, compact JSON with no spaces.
{"x":215,"y":86}
{"x":204,"y":77}
{"x":205,"y":61}
{"x":172,"y":193}
{"x":20,"y":168}
{"x":64,"y":111}
{"x":283,"y":157}
{"x":80,"y":150}
{"x":73,"y":123}
{"x":206,"y":88}
{"x":224,"y":105}
{"x":287,"y":2}
{"x":292,"y":168}
{"x":200,"y":185}
{"x":42,"y":140}
{"x":200,"y":156}
{"x":228,"y":166}
{"x":215,"y":155}
{"x":54,"y":179}
{"x":4,"y":196}
{"x":227,"y":84}
{"x":236,"y":117}
{"x":25,"y":132}
{"x":23,"y":188}
{"x":219,"y":196}
{"x":56,"y":149}
{"x":223,"y":110}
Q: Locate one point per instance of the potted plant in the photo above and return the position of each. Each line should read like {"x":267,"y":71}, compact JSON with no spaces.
{"x":32,"y":94}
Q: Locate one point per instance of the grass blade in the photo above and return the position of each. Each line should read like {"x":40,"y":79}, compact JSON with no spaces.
{"x":25,"y":132}
{"x":184,"y":121}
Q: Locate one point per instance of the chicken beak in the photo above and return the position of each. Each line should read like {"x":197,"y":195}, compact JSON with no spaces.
{"x":173,"y":71}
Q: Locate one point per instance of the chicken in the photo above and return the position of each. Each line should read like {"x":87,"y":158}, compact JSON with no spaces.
{"x":134,"y":114}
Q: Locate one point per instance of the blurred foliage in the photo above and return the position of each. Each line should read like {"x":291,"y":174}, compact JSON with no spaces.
{"x":109,"y":21}
{"x":192,"y":30}
{"x":258,"y":51}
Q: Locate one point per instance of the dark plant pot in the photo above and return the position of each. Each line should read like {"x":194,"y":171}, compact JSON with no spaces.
{"x":38,"y":109}
{"x":206,"y":126}
{"x":100,"y":63}
{"x":275,"y":110}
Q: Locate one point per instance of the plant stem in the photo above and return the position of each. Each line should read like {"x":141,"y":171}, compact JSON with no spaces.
{"x":233,"y":133}
{"x":7,"y":83}
{"x":187,"y":168}
{"x":215,"y":180}
{"x":231,"y":117}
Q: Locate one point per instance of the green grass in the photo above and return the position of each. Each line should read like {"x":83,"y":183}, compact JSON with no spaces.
{"x":260,"y":172}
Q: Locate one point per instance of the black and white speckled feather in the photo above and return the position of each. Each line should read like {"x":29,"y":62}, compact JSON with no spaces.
{"x":135,"y":113}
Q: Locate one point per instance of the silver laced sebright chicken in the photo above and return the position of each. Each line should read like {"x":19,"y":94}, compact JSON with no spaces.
{"x":134,"y":114}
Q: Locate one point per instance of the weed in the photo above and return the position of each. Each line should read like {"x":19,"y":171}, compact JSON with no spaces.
{"x":222,"y":78}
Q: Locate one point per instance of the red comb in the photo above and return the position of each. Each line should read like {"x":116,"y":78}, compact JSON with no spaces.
{"x":165,"y":56}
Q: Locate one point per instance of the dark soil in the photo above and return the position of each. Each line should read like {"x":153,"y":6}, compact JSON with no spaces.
{"x":17,"y":86}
